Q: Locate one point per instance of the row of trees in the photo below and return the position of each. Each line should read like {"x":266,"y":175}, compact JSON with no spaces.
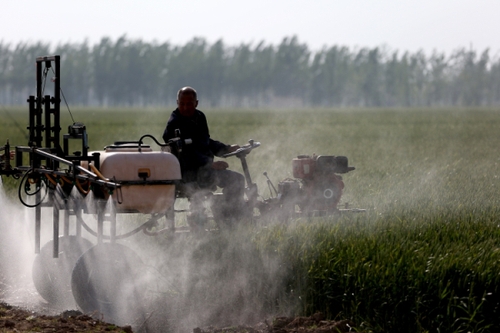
{"x":135,"y":73}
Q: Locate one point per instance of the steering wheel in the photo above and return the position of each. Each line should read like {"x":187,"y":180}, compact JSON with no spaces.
{"x":243,"y":150}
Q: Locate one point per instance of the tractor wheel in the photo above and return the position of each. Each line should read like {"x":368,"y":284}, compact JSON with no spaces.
{"x":52,"y":276}
{"x":106,"y":279}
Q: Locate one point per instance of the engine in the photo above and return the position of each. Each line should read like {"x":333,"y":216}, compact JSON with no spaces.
{"x":317,"y":185}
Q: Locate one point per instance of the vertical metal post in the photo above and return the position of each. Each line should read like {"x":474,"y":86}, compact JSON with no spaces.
{"x":244,"y":165}
{"x":37,"y":114}
{"x":38,"y":79}
{"x":38,"y":223}
{"x":48,"y":136}
{"x":96,"y":157}
{"x":38,"y":123}
{"x":55,"y":236}
{"x":57,"y":103}
{"x":31,"y":126}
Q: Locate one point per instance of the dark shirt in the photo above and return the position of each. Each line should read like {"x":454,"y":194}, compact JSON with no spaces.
{"x":200,"y":153}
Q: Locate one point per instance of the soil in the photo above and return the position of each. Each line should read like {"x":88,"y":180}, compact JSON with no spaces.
{"x":23,"y":310}
{"x":313,"y":324}
{"x":16,"y":319}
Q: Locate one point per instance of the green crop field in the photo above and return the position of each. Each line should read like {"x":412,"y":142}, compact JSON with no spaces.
{"x":425,"y":257}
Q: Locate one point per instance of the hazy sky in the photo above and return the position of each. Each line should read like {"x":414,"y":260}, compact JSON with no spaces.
{"x":442,"y":25}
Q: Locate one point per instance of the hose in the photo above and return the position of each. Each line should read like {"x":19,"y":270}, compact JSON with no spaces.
{"x":80,"y":188}
{"x":98,"y":173}
{"x":51,"y":180}
{"x":24,"y":180}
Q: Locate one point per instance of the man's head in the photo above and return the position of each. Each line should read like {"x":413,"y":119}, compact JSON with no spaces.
{"x":187,"y":101}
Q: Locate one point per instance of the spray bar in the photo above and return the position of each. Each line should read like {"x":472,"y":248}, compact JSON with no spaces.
{"x":80,"y":177}
{"x":94,"y":179}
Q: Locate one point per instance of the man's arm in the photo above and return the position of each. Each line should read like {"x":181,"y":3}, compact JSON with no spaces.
{"x":169,"y":131}
{"x":219,"y":149}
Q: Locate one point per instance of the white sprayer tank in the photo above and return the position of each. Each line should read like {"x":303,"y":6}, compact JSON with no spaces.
{"x":147,"y":177}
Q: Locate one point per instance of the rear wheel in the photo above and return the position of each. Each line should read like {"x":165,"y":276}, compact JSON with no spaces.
{"x":106,"y":279}
{"x":52,"y":276}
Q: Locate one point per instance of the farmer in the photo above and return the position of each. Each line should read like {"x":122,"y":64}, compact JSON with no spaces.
{"x":197,"y":158}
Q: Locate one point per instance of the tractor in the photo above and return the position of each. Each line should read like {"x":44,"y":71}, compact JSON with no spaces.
{"x":129,"y":177}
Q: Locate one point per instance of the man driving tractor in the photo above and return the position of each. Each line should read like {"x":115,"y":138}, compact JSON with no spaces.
{"x":197,"y":158}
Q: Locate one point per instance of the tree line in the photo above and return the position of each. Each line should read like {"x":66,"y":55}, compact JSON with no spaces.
{"x":127,"y":72}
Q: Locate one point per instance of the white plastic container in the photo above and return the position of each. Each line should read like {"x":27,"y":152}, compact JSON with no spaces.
{"x":143,"y":175}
